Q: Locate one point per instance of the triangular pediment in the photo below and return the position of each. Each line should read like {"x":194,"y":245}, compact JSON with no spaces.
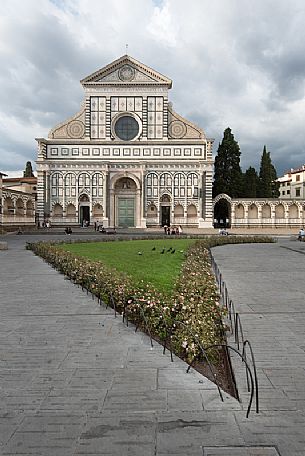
{"x":126,"y":70}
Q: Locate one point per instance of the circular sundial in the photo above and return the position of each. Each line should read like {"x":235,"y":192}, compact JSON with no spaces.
{"x":126,"y":73}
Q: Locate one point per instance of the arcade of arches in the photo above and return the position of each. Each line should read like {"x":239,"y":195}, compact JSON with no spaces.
{"x":248,"y":213}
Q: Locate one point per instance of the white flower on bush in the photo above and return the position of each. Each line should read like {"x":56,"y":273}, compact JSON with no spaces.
{"x":184,"y":344}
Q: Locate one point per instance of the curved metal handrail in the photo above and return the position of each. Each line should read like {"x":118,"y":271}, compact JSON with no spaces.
{"x":246,"y":342}
{"x":247,"y":368}
{"x":238,"y":329}
{"x":231,"y":313}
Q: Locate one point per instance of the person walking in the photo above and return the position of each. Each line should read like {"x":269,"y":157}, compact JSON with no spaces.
{"x":301,"y":235}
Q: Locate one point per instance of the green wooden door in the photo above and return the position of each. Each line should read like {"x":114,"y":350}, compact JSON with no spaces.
{"x":126,"y":211}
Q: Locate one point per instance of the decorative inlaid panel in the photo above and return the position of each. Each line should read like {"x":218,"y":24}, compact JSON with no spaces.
{"x":155,"y":117}
{"x":98,"y":117}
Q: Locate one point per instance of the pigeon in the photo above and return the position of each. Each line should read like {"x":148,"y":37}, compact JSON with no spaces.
{"x":173,"y":251}
{"x":154,"y":248}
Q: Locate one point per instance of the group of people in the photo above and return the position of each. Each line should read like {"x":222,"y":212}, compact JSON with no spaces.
{"x":172,"y":230}
{"x":45,"y":224}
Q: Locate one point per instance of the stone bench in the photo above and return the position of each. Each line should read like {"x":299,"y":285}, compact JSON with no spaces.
{"x":3,"y":245}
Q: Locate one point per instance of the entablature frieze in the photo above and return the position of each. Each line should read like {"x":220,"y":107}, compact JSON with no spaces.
{"x":143,"y":89}
{"x":139,"y":152}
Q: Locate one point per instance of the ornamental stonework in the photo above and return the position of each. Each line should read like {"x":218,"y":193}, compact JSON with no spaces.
{"x":76,"y":129}
{"x":126,"y":73}
{"x":177,"y":129}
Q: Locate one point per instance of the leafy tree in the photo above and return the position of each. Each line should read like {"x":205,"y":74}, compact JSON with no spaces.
{"x":251,"y":183}
{"x":28,"y":170}
{"x":228,"y":176}
{"x":268,"y":187}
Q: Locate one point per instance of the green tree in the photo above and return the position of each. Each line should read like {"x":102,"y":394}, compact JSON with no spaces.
{"x":228,"y":176}
{"x":28,"y":172}
{"x":251,"y":183}
{"x":268,"y":187}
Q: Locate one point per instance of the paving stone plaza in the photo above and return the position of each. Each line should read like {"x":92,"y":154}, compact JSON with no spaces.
{"x":74,"y":380}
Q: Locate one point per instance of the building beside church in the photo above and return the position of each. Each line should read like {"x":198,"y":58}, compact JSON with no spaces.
{"x":17,"y":202}
{"x":126,"y":158}
{"x":292,"y":184}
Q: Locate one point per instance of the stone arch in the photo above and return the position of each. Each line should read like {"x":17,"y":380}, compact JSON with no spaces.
{"x":179,"y":211}
{"x":293,"y":211}
{"x":84,"y":209}
{"x":8,"y":206}
{"x":152,"y":211}
{"x":166,"y":180}
{"x":279,"y":211}
{"x":253,"y":211}
{"x":266,"y":211}
{"x":125,"y":184}
{"x":191,"y":211}
{"x":125,"y":200}
{"x":222,"y":196}
{"x":29,"y":208}
{"x":57,"y":210}
{"x":98,"y":211}
{"x":239,"y":211}
{"x":152,"y":184}
{"x":19,"y":207}
{"x":70,"y":210}
{"x":121,"y":175}
{"x":222,"y":210}
{"x":83,"y":180}
{"x":84,"y":198}
{"x":165,"y":198}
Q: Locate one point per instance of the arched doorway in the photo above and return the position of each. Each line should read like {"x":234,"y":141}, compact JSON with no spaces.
{"x":165,"y":204}
{"x":125,"y":190}
{"x":84,"y":210}
{"x":222,"y":212}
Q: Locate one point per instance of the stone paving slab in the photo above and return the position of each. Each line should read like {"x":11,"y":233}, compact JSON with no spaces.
{"x":266,"y":284}
{"x":76,"y":381}
{"x":237,"y":451}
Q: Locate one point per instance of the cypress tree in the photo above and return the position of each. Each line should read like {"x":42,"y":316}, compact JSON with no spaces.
{"x":251,"y":183}
{"x":268,"y":187}
{"x":228,"y":176}
{"x":28,"y":172}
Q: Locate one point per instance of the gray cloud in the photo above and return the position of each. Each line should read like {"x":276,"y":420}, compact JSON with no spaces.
{"x":230,"y":66}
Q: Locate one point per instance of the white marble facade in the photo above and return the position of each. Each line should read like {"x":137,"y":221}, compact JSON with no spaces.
{"x":126,"y":158}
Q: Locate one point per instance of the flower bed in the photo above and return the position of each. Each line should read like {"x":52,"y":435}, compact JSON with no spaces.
{"x":187,"y":319}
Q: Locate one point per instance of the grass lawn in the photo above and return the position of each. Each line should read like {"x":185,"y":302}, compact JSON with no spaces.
{"x":138,"y":259}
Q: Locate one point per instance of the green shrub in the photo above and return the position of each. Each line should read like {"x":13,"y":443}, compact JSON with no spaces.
{"x":187,"y":319}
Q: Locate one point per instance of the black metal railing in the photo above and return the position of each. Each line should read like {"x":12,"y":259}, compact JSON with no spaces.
{"x":236,"y":329}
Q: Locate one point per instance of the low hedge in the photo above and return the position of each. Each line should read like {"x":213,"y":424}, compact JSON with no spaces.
{"x":187,"y":318}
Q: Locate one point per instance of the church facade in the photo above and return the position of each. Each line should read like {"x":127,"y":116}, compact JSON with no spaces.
{"x":126,"y":159}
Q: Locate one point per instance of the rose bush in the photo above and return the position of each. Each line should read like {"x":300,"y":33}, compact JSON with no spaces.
{"x":187,"y":319}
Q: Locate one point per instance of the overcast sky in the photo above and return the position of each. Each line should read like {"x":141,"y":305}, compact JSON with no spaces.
{"x":234,"y":63}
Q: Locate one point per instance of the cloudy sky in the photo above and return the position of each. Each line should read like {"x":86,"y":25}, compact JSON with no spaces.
{"x":236,"y":63}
